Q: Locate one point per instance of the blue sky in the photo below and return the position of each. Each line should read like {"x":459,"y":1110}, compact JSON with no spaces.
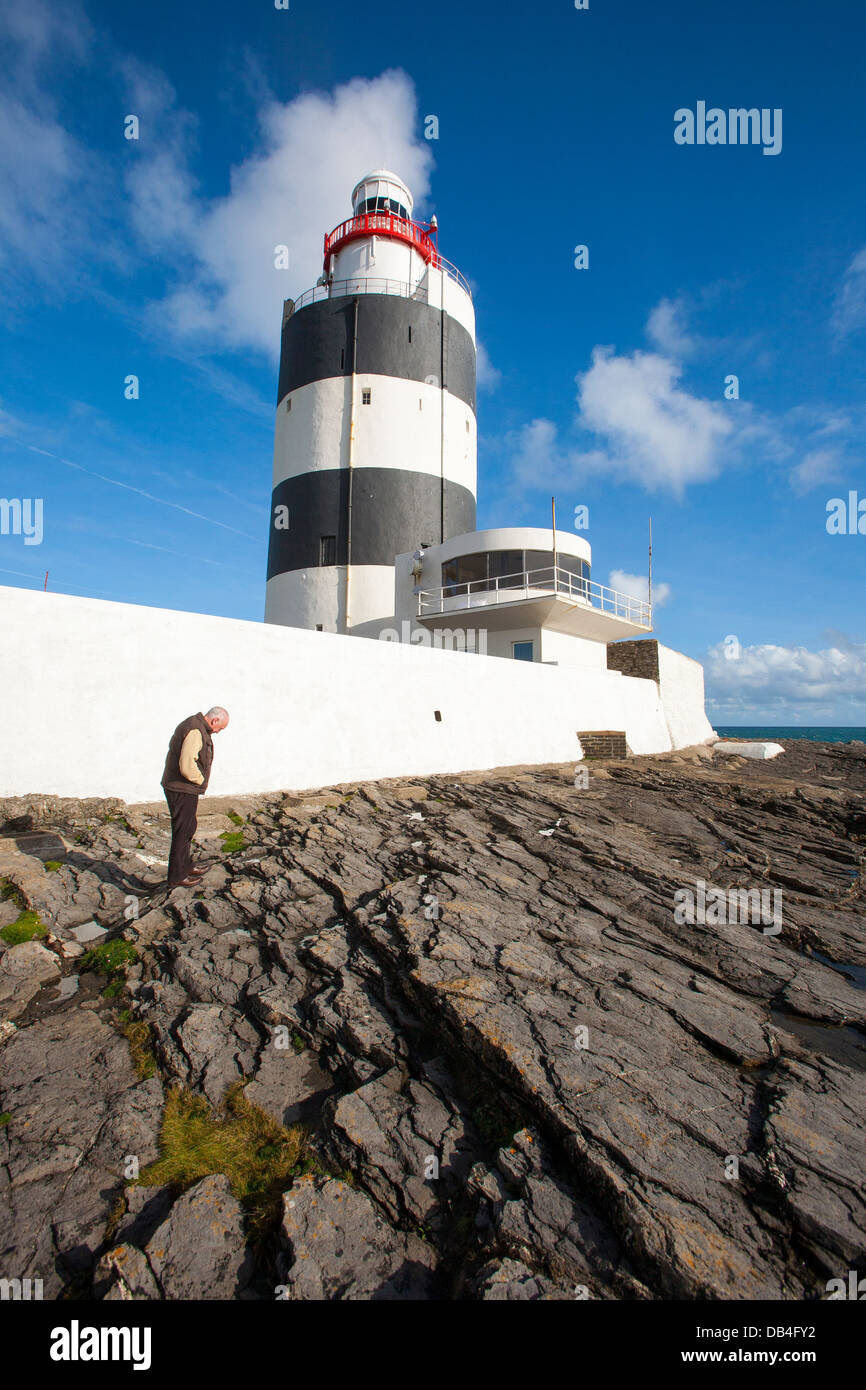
{"x":604,"y":386}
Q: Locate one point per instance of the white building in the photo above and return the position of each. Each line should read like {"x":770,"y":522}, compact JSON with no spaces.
{"x":375,"y":466}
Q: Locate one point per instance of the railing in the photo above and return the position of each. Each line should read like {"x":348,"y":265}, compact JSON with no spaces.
{"x":402,"y":229}
{"x":361,"y":284}
{"x":452,"y":272}
{"x":511,"y":588}
{"x":380,"y":224}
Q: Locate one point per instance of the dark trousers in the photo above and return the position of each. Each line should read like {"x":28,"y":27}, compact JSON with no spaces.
{"x":184,"y":810}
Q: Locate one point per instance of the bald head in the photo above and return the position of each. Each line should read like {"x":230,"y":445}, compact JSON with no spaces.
{"x":216,"y":718}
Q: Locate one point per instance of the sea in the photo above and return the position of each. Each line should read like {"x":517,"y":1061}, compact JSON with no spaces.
{"x":831,"y":733}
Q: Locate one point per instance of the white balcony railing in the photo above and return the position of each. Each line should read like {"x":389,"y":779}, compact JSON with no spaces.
{"x":361,"y":284}
{"x":533,"y":584}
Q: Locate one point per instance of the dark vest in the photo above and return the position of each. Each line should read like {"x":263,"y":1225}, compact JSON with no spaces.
{"x":171,"y":778}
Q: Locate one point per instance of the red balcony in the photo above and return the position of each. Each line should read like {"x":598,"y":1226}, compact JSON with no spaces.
{"x":382,"y":224}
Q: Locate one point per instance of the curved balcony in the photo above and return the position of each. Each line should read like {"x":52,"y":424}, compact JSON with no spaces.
{"x":549,"y":597}
{"x":361,"y":284}
{"x":399,"y":229}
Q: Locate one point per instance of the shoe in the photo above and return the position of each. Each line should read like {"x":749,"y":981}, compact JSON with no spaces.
{"x":188,"y":882}
{"x":196,"y":873}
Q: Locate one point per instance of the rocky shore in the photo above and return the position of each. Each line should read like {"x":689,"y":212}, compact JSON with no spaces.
{"x":439,"y":1039}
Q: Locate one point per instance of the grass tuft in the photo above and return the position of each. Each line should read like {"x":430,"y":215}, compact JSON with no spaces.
{"x":52,"y":865}
{"x":9,"y":892}
{"x":5,"y":1118}
{"x":138,"y":1036}
{"x":234,"y":818}
{"x":258,"y":1156}
{"x":109,"y":957}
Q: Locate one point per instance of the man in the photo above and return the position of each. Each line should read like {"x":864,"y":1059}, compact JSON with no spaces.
{"x":185,"y":779}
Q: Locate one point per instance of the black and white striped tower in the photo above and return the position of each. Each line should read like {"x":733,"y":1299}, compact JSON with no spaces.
{"x":375,"y":445}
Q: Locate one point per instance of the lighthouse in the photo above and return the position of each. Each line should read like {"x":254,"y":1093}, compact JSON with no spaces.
{"x":375,"y":441}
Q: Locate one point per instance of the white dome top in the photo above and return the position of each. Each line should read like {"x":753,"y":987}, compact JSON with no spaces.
{"x":382,"y":184}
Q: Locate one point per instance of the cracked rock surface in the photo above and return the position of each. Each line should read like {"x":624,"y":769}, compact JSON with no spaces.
{"x":526,"y":1071}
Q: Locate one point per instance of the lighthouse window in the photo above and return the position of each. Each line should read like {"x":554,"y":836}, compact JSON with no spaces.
{"x":327,"y":550}
{"x":504,"y":569}
{"x":366,"y":395}
{"x":507,"y":567}
{"x":466,"y":569}
{"x":383,"y":205}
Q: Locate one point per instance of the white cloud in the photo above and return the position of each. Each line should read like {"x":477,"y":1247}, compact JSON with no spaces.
{"x":489,"y":376}
{"x":651,"y":430}
{"x":637,"y":423}
{"x":40,"y":169}
{"x":849,"y":308}
{"x":293,"y":189}
{"x":637,"y":586}
{"x":819,"y":466}
{"x":667,"y":331}
{"x":50,"y":219}
{"x":40,"y":31}
{"x":790,"y":681}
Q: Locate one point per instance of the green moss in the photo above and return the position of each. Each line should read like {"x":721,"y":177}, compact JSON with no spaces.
{"x":235,"y":818}
{"x":233,"y":841}
{"x":109,"y":957}
{"x":258,"y":1156}
{"x":298,"y":1042}
{"x":52,"y":865}
{"x":111,"y":991}
{"x":5,"y":1118}
{"x":26,"y":926}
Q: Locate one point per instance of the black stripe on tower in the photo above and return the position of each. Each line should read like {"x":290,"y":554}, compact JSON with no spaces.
{"x":393,"y":511}
{"x":317,"y":343}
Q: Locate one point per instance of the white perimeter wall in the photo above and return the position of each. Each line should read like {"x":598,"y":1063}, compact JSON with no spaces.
{"x":95,"y":689}
{"x":681,"y":682}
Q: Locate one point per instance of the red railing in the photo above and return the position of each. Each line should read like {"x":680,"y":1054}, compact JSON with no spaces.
{"x":381,"y":224}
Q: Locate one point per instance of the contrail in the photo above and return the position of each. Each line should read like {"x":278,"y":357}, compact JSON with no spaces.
{"x":22,"y":575}
{"x":199,"y":559}
{"x":129,"y":488}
